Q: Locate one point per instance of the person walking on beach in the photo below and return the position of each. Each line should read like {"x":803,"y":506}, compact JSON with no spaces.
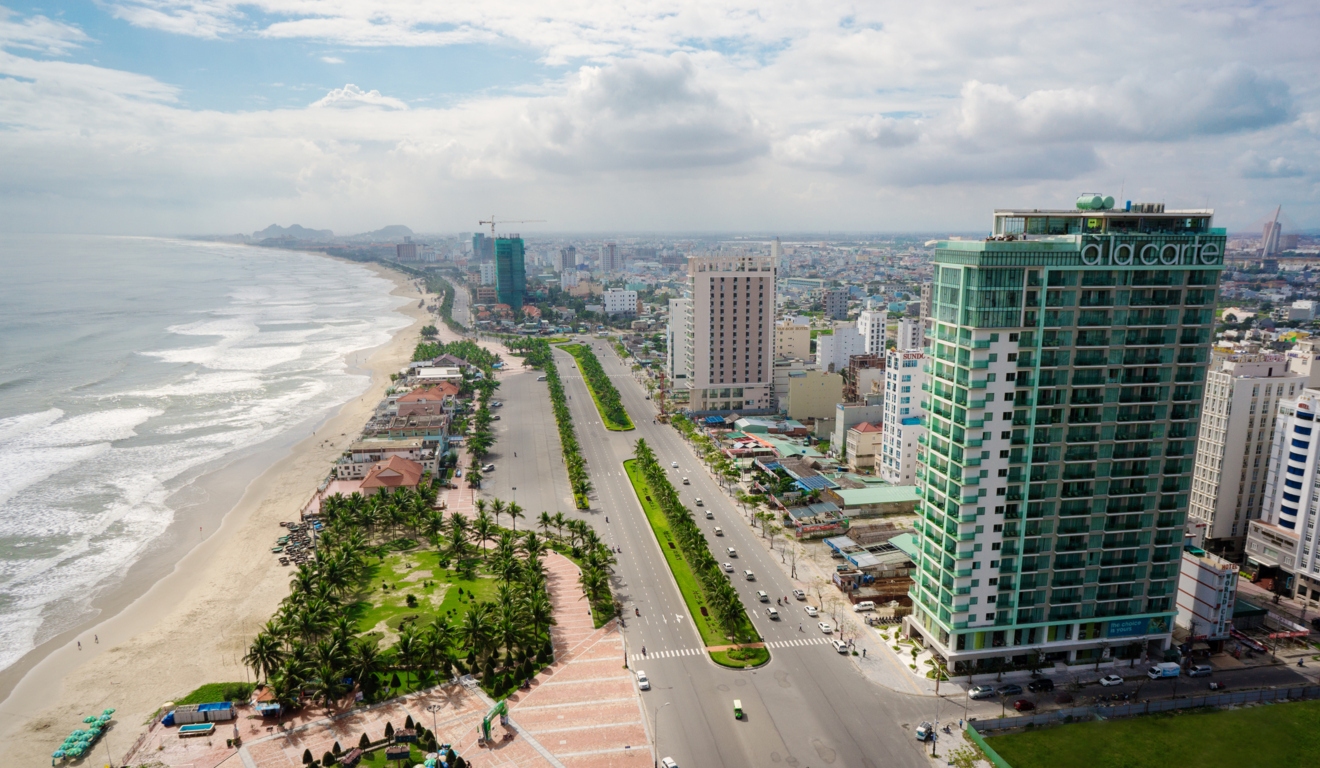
{"x":80,"y":645}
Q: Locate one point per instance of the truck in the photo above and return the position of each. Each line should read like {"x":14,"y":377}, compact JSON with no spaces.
{"x":1167,"y":669}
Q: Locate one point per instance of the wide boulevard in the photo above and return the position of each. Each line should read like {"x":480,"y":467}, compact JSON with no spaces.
{"x":808,"y":706}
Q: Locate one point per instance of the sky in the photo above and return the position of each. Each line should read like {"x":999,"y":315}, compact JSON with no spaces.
{"x":224,"y":116}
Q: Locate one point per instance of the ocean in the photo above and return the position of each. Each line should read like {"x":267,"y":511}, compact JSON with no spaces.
{"x":132,"y":367}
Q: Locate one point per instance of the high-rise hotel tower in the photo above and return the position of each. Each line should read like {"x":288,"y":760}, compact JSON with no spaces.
{"x":730,"y":333}
{"x":1065,"y":371}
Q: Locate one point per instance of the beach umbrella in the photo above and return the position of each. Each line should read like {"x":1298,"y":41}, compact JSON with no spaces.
{"x":108,"y":711}
{"x":57,"y":754}
{"x":89,"y":719}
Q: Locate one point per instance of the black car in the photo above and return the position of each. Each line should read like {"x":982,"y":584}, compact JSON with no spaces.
{"x":1043,"y":685}
{"x":1012,"y":689}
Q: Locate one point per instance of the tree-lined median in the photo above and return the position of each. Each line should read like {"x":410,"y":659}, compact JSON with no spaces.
{"x":603,"y":392}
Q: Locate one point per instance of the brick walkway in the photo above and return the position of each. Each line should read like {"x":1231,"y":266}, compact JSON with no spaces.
{"x":585,"y":708}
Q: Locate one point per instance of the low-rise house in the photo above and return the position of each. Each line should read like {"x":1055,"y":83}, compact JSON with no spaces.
{"x":361,"y":456}
{"x":862,"y":445}
{"x":874,"y":500}
{"x":395,"y":472}
{"x":428,"y":400}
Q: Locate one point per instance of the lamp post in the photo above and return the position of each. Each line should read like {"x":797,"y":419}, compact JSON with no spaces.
{"x":433,"y":708}
{"x":655,"y":735}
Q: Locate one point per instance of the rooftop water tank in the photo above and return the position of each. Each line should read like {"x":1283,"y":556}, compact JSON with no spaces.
{"x":1090,"y":202}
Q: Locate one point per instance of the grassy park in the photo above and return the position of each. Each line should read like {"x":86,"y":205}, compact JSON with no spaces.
{"x":1268,"y":734}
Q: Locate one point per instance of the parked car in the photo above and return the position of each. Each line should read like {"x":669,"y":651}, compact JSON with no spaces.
{"x":1199,"y":670}
{"x":1109,"y":680}
{"x":761,"y":595}
{"x":982,"y":692}
{"x":864,"y":606}
{"x":812,"y":612}
{"x":799,"y":594}
{"x":540,"y":378}
{"x":496,"y":417}
{"x":1023,"y":705}
{"x":496,"y":404}
{"x":1009,"y":689}
{"x":488,"y":468}
{"x":826,"y":627}
{"x":839,"y":646}
{"x":668,"y":762}
{"x":643,"y":681}
{"x":1043,"y":685}
{"x":772,"y":612}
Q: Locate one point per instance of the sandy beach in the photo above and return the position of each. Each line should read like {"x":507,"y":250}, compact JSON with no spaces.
{"x":192,"y":626}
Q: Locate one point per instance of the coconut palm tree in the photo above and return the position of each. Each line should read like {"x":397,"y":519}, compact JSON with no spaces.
{"x":515,"y":511}
{"x":497,"y":508}
{"x":544,"y":522}
{"x":364,"y":662}
{"x":326,"y":686}
{"x":264,"y":655}
{"x":484,"y":530}
{"x":408,"y":649}
{"x":560,"y":522}
{"x":475,"y":630}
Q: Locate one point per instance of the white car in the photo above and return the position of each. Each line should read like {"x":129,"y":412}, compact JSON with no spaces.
{"x":699,"y":502}
{"x":488,"y":468}
{"x":762,"y":596}
{"x":811,"y":611}
{"x":668,"y":762}
{"x":674,"y":464}
{"x":731,"y":551}
{"x":773,"y":613}
{"x":826,"y":627}
{"x":710,"y":515}
{"x":839,"y":646}
{"x":643,"y":681}
{"x":1109,"y":680}
{"x":799,"y":594}
{"x":719,"y":531}
{"x":728,"y":567}
{"x":749,"y":575}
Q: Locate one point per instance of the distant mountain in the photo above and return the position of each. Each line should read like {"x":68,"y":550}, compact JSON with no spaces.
{"x":295,"y":232}
{"x":394,"y":233}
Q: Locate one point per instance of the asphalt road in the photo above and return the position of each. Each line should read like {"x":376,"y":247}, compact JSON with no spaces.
{"x":808,"y":706}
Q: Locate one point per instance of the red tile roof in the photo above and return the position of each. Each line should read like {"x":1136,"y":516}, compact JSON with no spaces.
{"x":868,"y":427}
{"x":396,"y":472}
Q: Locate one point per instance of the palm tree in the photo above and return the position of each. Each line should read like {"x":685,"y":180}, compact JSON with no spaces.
{"x":408,"y":648}
{"x":515,"y":512}
{"x":545,"y":521}
{"x":264,"y":655}
{"x":474,"y":478}
{"x":560,"y":522}
{"x":480,"y":505}
{"x":475,"y":630}
{"x":484,"y":530}
{"x":327,"y":686}
{"x":497,"y":507}
{"x":363,"y":663}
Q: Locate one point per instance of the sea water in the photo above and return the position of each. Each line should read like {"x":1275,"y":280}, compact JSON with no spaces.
{"x":129,"y":367}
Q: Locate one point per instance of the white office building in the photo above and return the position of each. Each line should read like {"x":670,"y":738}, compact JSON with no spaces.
{"x":1207,"y":592}
{"x":871,"y":326}
{"x":678,"y":335}
{"x":621,"y":302}
{"x":732,"y":332}
{"x":834,"y":350}
{"x":1281,"y":544}
{"x":487,"y":273}
{"x":897,"y":462}
{"x":1242,"y":394}
{"x":909,"y":334}
{"x":568,"y":279}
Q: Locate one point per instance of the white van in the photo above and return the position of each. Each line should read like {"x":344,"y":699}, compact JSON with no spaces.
{"x":1167,"y":669}
{"x":865,"y":605}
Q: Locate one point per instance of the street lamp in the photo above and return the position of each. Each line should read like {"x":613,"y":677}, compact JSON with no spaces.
{"x":433,"y":708}
{"x":655,"y":735}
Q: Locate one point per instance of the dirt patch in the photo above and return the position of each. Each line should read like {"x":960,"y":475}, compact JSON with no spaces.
{"x":417,"y":576}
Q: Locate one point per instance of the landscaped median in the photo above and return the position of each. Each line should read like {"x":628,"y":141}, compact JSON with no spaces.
{"x":606,"y":397}
{"x":712,"y":602}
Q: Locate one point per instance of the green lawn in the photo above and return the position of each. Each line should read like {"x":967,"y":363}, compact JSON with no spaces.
{"x":212,"y":692}
{"x":711,"y":632}
{"x":576,"y":351}
{"x":415,"y":572}
{"x":1265,"y":735}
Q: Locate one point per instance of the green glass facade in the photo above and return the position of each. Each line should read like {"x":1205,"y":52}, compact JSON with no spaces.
{"x":510,"y":274}
{"x":1065,"y":379}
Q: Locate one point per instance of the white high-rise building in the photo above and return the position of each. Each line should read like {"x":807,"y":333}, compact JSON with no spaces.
{"x":678,"y":336}
{"x":871,"y":325}
{"x":897,"y":462}
{"x":733,"y":332}
{"x":909,"y":334}
{"x":777,"y":253}
{"x":487,"y":273}
{"x":1242,"y":394}
{"x":621,"y":302}
{"x":1281,"y":544}
{"x":568,"y":279}
{"x":835,"y":349}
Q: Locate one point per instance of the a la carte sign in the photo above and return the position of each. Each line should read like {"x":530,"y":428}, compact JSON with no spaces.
{"x":1113,"y":250}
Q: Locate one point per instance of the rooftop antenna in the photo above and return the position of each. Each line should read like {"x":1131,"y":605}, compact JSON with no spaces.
{"x":491,"y":222}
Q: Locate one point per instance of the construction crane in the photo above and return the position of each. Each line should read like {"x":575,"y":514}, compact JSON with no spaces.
{"x":515,"y":221}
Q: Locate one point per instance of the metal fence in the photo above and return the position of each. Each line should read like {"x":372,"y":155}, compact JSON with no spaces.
{"x":1148,"y":707}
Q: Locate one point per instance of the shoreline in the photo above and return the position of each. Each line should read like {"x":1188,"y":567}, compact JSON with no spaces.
{"x":183,"y":617}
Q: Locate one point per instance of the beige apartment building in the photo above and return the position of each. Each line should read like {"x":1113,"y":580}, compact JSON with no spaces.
{"x":731,"y":333}
{"x":813,"y":394}
{"x":792,"y":341}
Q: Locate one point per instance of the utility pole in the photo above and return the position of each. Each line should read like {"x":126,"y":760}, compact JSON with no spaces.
{"x":655,"y":735}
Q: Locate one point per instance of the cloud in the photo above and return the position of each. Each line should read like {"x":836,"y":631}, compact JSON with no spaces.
{"x":332,"y":60}
{"x":648,"y":113}
{"x":38,"y":33}
{"x":194,"y":18}
{"x":351,"y":96}
{"x":1190,"y":103}
{"x":1253,"y":165}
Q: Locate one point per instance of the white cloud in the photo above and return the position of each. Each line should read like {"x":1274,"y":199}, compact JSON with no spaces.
{"x":352,"y":96}
{"x":38,"y":33}
{"x":332,"y":60}
{"x":1253,"y":165}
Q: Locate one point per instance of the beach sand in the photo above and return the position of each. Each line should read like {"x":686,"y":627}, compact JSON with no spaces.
{"x":192,"y":626}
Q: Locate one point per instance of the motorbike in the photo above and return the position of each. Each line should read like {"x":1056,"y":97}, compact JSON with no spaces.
{"x":637,"y":611}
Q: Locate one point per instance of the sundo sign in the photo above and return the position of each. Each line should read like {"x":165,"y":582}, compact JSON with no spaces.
{"x":1116,"y":251}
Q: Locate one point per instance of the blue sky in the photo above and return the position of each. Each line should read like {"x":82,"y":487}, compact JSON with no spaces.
{"x":184,"y":116}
